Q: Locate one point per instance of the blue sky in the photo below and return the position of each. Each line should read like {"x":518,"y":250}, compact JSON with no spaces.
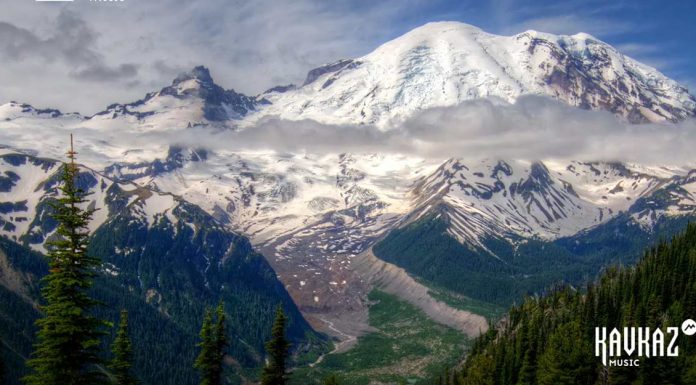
{"x":82,"y":56}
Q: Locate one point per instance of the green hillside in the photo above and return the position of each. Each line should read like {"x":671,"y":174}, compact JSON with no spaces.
{"x":549,"y":340}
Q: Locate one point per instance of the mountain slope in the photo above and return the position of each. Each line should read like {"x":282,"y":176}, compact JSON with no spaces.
{"x":549,"y":340}
{"x":446,"y":63}
{"x":495,"y":231}
{"x":161,"y":341}
{"x":314,"y":215}
{"x":166,"y":253}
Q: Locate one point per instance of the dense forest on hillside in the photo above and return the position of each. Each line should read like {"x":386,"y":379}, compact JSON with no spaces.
{"x":164,"y":346}
{"x":520,"y":266}
{"x":549,"y":340}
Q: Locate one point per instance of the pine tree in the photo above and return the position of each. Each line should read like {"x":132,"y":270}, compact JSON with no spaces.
{"x":68,"y":340}
{"x":221,"y":342}
{"x":213,"y":343}
{"x":275,"y":371}
{"x":206,"y":360}
{"x":123,"y":354}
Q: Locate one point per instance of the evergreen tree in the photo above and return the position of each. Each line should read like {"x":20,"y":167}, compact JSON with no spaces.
{"x":221,"y":343}
{"x":206,"y":360}
{"x":275,"y":371}
{"x":123,"y":354}
{"x":558,"y":328}
{"x":68,"y":340}
{"x":213,"y":343}
{"x":568,"y":358}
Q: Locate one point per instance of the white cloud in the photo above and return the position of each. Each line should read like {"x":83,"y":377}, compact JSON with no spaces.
{"x":249,"y":45}
{"x":534,"y":128}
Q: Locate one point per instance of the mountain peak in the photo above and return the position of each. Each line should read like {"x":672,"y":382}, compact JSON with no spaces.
{"x":446,"y":63}
{"x":434,"y":27}
{"x":200,"y":73}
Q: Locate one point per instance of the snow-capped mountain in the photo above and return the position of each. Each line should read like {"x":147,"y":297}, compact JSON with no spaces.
{"x":315,"y":216}
{"x":166,"y":251}
{"x":547,"y":200}
{"x":446,"y":63}
{"x":192,"y":98}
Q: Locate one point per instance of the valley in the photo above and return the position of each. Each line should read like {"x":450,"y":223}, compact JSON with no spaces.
{"x":388,"y":261}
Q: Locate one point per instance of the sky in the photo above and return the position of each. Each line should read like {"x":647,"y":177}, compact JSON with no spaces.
{"x":84,"y":55}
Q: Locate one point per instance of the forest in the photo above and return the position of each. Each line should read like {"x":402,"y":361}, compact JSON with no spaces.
{"x":549,"y":339}
{"x":72,"y":338}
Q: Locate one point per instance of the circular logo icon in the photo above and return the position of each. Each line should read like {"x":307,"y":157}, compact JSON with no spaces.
{"x":689,"y":327}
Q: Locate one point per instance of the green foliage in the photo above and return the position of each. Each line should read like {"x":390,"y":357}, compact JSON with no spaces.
{"x":122,"y":350}
{"x":212,"y":345}
{"x":462,"y":302}
{"x":68,"y":346}
{"x":164,"y":274}
{"x":181,"y":268}
{"x":567,"y":358}
{"x":276,"y":372}
{"x":164,"y":338}
{"x":524,"y":266}
{"x":222,"y":341}
{"x":206,"y":359}
{"x":548,"y":340}
{"x":405,"y":346}
{"x":161,"y":345}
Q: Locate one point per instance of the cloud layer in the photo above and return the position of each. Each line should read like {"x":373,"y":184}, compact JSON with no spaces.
{"x":534,"y":128}
{"x":83,"y":56}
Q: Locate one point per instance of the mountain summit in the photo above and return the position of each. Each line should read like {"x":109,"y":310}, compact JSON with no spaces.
{"x":198,"y":73}
{"x":446,"y":63}
{"x":192,"y":98}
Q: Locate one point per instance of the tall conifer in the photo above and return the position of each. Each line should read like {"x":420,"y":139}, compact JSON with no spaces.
{"x":122,"y":350}
{"x":214,"y":340}
{"x":68,"y":340}
{"x":205,"y":362}
{"x":275,"y":371}
{"x":221,"y":342}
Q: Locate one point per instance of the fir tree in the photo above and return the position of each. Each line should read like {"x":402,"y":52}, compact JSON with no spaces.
{"x":213,"y":343}
{"x":123,"y":354}
{"x":206,"y":360}
{"x":68,"y":340}
{"x":221,"y":343}
{"x":275,"y":371}
{"x":558,"y":328}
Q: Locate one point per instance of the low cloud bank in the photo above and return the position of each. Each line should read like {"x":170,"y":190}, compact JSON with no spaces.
{"x":533,"y":128}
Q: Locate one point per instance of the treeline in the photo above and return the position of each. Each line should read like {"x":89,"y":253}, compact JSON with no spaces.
{"x":524,"y":266}
{"x":549,"y":340}
{"x":69,"y":346}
